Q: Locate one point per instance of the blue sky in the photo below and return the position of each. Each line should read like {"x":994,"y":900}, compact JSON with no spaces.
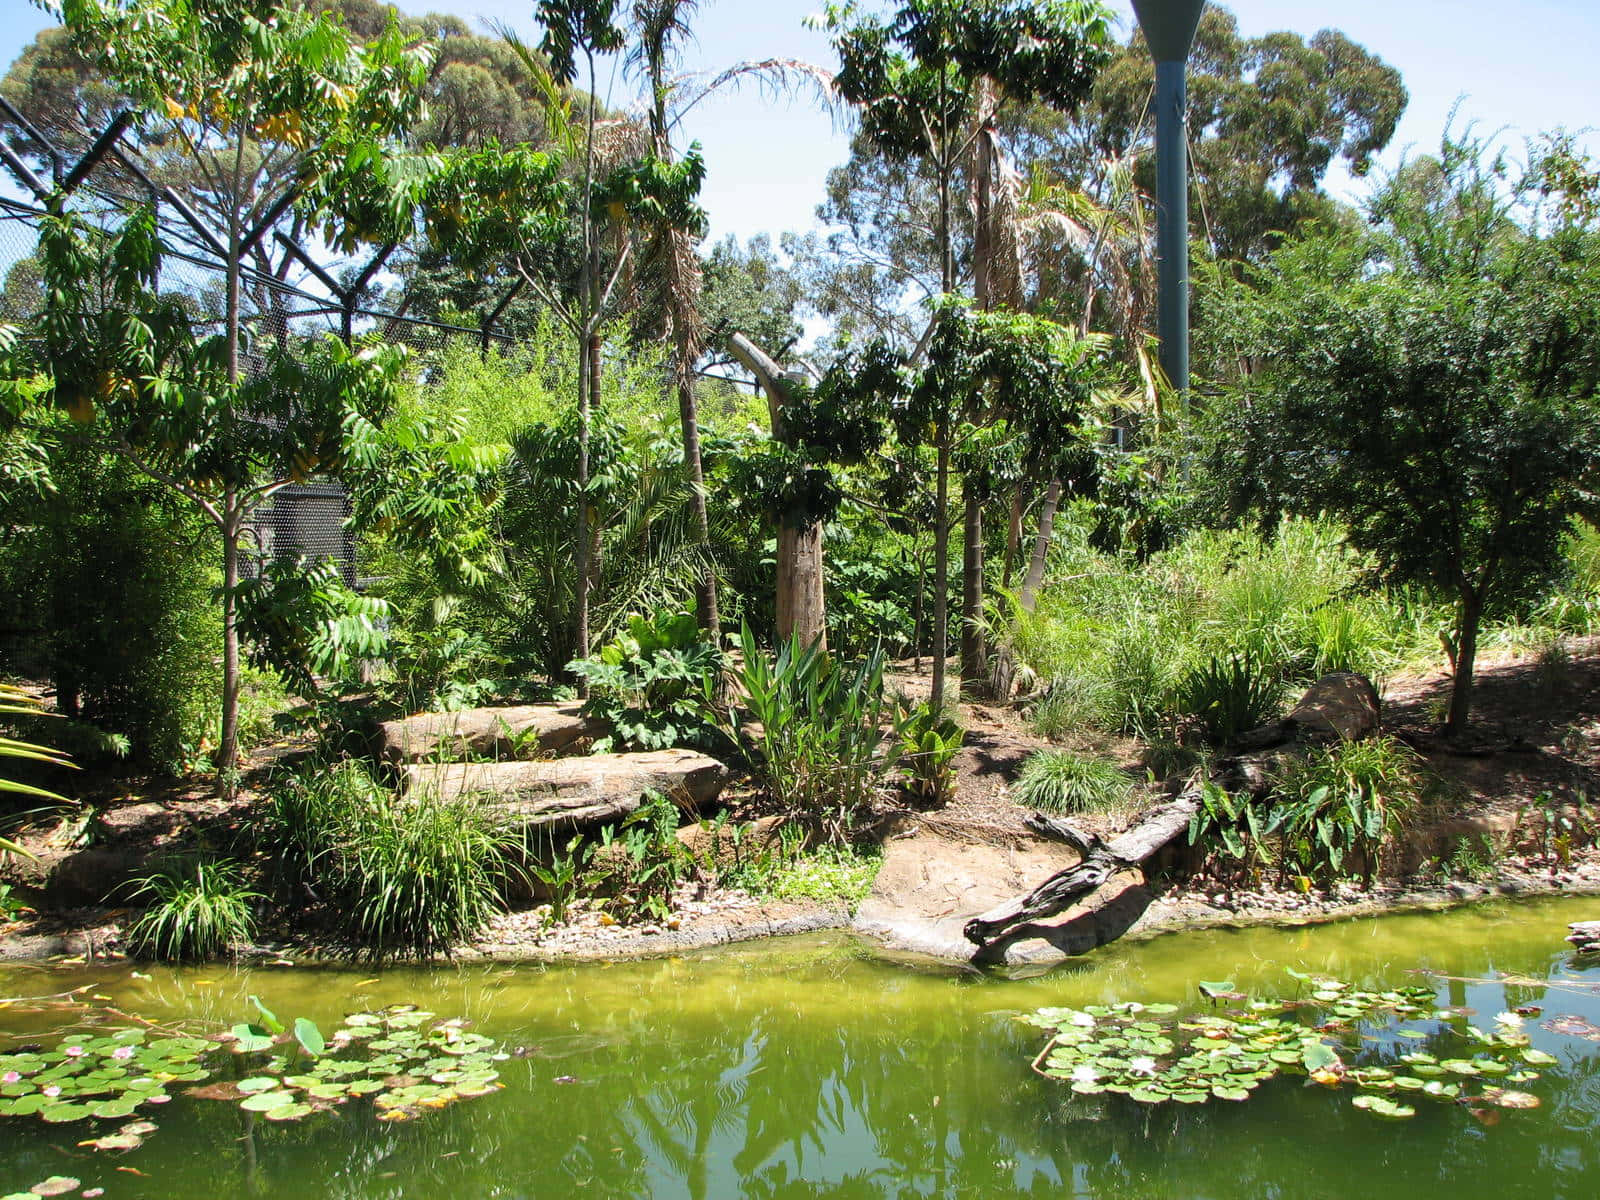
{"x":1521,"y":68}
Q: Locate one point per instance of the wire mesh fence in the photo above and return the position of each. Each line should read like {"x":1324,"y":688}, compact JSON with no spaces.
{"x":290,"y":293}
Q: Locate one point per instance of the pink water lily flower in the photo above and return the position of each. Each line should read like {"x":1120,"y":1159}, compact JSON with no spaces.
{"x":122,"y":1052}
{"x":10,"y":1077}
{"x":52,"y":1090}
{"x":74,"y":1051}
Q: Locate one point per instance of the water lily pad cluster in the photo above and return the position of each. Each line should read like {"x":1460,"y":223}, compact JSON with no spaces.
{"x":107,"y":1078}
{"x":1155,"y":1054}
{"x":401,"y":1059}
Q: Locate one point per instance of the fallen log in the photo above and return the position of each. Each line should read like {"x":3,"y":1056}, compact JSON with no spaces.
{"x":1101,"y":861}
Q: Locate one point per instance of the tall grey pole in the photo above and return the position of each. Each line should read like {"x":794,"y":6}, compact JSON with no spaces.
{"x":1172,"y":222}
{"x":1169,"y":28}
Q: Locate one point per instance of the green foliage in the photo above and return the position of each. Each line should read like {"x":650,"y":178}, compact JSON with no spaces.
{"x":14,"y":702}
{"x":914,"y":72}
{"x":1228,"y":697}
{"x":930,"y":739}
{"x":811,"y":726}
{"x":117,"y":578}
{"x":400,"y":876}
{"x":1059,"y":781}
{"x":1338,"y":806}
{"x":1116,"y":637}
{"x":302,"y":621}
{"x":199,"y":907}
{"x":646,"y":860}
{"x":1448,"y":358}
{"x":828,"y":874}
{"x":1328,"y":817}
{"x":654,"y":685}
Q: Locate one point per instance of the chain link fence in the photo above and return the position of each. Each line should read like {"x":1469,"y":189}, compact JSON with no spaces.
{"x":289,"y":294}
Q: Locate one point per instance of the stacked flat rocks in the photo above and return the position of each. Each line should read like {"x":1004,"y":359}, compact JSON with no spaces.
{"x":551,"y":781}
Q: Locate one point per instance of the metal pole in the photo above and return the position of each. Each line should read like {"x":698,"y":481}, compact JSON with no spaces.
{"x":1169,"y":28}
{"x":1172,"y":221}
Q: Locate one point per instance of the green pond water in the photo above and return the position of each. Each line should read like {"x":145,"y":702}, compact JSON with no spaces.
{"x":819,"y":1067}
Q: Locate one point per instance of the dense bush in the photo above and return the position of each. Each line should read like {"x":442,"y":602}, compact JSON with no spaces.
{"x":108,"y":593}
{"x":1129,"y":647}
{"x":412,"y":876}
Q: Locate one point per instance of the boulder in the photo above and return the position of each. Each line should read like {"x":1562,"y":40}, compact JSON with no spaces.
{"x":515,"y":731}
{"x":572,"y":791}
{"x":1342,"y":705}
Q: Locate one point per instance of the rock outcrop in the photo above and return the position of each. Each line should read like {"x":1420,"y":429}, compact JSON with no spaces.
{"x":515,"y":731}
{"x":573,"y":791}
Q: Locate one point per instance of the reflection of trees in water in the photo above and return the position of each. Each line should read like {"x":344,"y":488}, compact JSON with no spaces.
{"x":713,"y":1083}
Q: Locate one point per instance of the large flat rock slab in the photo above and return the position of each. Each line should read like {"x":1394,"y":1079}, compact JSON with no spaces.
{"x":598,"y":787}
{"x":930,"y":885}
{"x":513,"y":731}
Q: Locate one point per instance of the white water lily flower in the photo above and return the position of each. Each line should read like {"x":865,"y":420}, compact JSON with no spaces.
{"x":1084,"y":1074}
{"x":1083,"y":1019}
{"x":1143,"y":1065}
{"x":1508,"y":1018}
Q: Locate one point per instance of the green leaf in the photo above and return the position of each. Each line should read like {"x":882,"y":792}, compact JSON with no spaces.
{"x":309,"y":1037}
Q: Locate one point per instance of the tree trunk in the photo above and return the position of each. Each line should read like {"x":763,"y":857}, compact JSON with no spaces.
{"x":917,"y":606}
{"x":941,"y":570}
{"x":1470,"y":616}
{"x":588,"y":364}
{"x":706,"y":587}
{"x":1013,"y":536}
{"x":1041,"y":547}
{"x":801,"y":603}
{"x":974,"y":649}
{"x":228,"y":742}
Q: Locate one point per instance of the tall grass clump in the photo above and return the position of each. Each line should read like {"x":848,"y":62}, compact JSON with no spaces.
{"x":410,"y":876}
{"x":1059,"y":781}
{"x":1228,"y":697}
{"x":198,"y":907}
{"x":1123,"y":645}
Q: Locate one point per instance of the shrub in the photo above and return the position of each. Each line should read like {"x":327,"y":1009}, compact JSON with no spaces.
{"x":113,"y":581}
{"x":648,"y":862}
{"x":1229,"y":697}
{"x":200,"y":907}
{"x":930,"y":739}
{"x":411,"y":876}
{"x":1059,"y":781}
{"x":654,"y":685}
{"x":1336,"y":807}
{"x":818,"y":742}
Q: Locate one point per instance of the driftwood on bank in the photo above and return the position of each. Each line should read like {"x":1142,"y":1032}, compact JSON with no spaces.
{"x":1101,"y":862}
